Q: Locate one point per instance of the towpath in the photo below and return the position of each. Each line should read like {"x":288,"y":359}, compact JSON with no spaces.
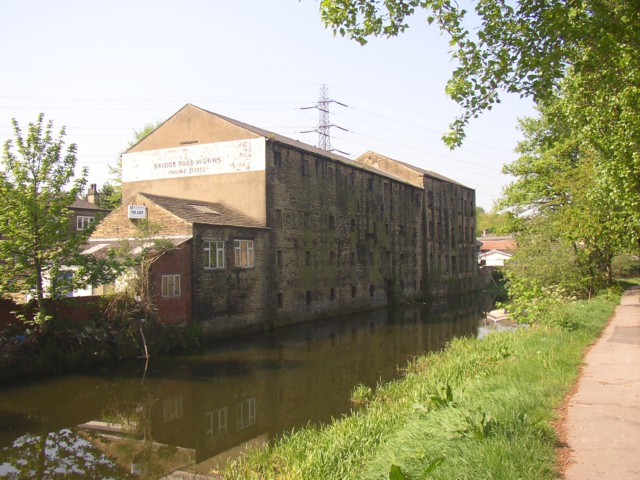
{"x":602,"y":422}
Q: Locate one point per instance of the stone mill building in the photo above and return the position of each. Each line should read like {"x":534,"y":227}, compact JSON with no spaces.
{"x":270,"y":231}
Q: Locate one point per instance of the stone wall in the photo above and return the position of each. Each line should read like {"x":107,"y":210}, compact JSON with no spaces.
{"x":450,"y":237}
{"x":117,"y":225}
{"x":343,"y":237}
{"x":231,"y":298}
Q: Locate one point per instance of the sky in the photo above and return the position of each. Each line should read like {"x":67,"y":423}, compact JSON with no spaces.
{"x":105,"y":69}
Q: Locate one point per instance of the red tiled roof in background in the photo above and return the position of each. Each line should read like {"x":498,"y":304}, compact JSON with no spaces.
{"x":504,"y":243}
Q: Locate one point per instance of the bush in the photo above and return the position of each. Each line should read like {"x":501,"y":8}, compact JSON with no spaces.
{"x":625,"y":266}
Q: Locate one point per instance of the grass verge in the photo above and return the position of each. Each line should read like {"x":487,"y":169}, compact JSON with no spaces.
{"x":480,"y":409}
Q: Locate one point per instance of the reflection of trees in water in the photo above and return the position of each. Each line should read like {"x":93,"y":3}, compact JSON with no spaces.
{"x":53,"y":455}
{"x":135,"y":448}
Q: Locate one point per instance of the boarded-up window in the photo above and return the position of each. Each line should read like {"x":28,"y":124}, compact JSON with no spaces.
{"x":171,"y":286}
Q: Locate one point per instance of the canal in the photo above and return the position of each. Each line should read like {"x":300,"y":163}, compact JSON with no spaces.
{"x":193,"y":413}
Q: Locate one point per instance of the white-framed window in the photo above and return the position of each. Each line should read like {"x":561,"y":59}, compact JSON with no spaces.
{"x":246,"y":413}
{"x":244,"y":253}
{"x":216,"y":422}
{"x":214,"y":254}
{"x":171,"y":285}
{"x":83,"y":221}
{"x":172,"y":408}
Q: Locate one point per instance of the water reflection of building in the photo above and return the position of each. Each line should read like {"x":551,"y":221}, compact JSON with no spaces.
{"x":195,"y":413}
{"x":250,"y":396}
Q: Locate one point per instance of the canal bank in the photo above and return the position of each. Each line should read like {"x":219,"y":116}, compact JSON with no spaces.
{"x":478,"y":409}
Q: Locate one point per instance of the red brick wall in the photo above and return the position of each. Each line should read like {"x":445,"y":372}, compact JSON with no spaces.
{"x":78,"y":310}
{"x":175,"y":310}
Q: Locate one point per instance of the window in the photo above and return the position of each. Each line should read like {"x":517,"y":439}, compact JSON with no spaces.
{"x":307,"y":258}
{"x":305,"y":168}
{"x":171,"y":286}
{"x":354,"y":291}
{"x":172,"y":408}
{"x":277,"y":159}
{"x":372,"y":291}
{"x":216,"y":422}
{"x":308,"y":297}
{"x":280,"y":301}
{"x":332,"y":294}
{"x":244,"y":253}
{"x":246,"y":413}
{"x":279,"y":261}
{"x":331,"y":222}
{"x":83,"y":221}
{"x":214,"y":254}
{"x":278,"y":217}
{"x":306,"y":221}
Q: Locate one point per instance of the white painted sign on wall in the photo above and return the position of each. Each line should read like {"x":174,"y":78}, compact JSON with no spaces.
{"x":195,"y":160}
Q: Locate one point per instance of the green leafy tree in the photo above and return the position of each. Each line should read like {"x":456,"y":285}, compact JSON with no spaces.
{"x":491,"y":222}
{"x":37,"y":185}
{"x":561,"y":209}
{"x":111,"y":196}
{"x":520,"y":47}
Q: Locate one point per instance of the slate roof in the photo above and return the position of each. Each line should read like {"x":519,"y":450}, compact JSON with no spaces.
{"x":206,"y":213}
{"x":82,"y":204}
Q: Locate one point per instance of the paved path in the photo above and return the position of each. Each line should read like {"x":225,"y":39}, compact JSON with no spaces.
{"x":603,"y":417}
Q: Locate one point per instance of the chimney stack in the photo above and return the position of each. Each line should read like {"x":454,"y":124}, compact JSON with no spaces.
{"x":93,"y":195}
